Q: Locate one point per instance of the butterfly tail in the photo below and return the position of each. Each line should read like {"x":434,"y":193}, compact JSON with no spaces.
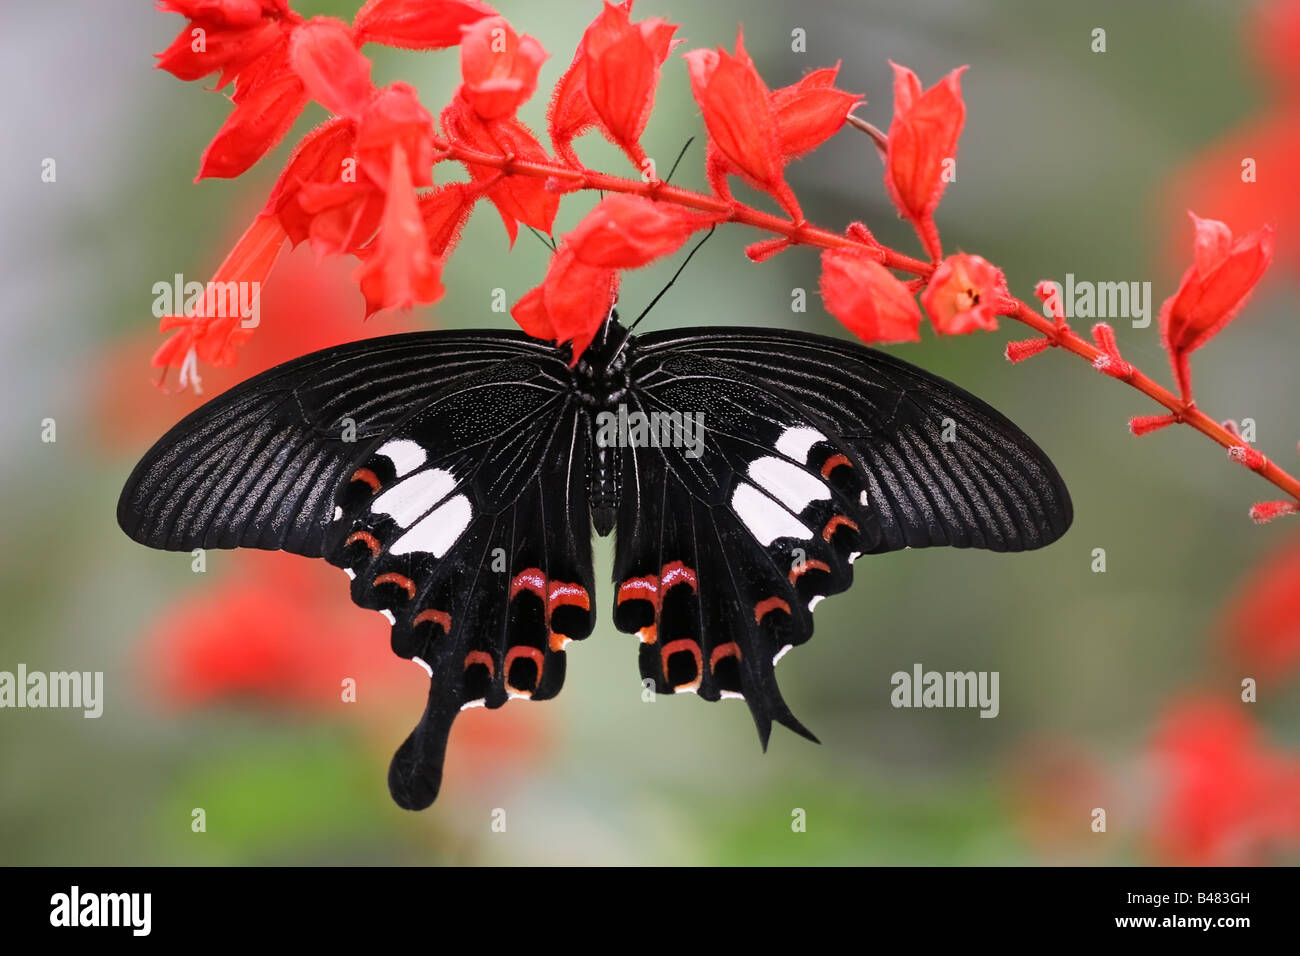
{"x":415,"y":775}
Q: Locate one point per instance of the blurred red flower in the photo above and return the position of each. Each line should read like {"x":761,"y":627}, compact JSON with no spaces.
{"x":1224,"y":796}
{"x":1262,"y":623}
{"x":871,"y":302}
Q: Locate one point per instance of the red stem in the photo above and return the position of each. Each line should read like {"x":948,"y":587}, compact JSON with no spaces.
{"x":803,"y":233}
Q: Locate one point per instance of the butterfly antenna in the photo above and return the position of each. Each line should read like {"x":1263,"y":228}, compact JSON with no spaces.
{"x":678,"y":160}
{"x":548,"y":243}
{"x":660,"y":295}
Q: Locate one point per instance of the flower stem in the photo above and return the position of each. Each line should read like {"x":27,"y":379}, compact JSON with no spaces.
{"x":803,"y":233}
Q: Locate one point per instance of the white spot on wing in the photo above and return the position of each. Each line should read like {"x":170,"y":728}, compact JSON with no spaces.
{"x":427,"y":669}
{"x":352,"y":575}
{"x":412,"y":497}
{"x":405,"y":455}
{"x":816,"y":599}
{"x":732,"y":695}
{"x":338,"y":512}
{"x":790,"y":483}
{"x":765,"y":519}
{"x":437,"y":531}
{"x":781,"y":653}
{"x":392,"y":618}
{"x":795,"y":442}
{"x":481,"y":702}
{"x":854,"y":556}
{"x":863,"y":500}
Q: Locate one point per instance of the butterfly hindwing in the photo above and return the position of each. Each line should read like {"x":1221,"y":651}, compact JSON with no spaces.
{"x":810,"y":453}
{"x":459,"y":510}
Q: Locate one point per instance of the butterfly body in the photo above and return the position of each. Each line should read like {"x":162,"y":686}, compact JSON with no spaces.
{"x":481,"y":463}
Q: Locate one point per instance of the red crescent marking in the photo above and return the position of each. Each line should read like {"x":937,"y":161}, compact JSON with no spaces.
{"x":639,"y":589}
{"x":530,"y":579}
{"x":392,"y":577}
{"x":441,"y":618}
{"x":683,"y":644}
{"x":678,"y":573}
{"x":523,"y":651}
{"x":574,"y":595}
{"x":480,"y":657}
{"x":833,"y":462}
{"x":364,"y":536}
{"x":730,"y":649}
{"x":368,"y":476}
{"x":767,"y":606}
{"x":836,"y":522}
{"x":808,"y":566}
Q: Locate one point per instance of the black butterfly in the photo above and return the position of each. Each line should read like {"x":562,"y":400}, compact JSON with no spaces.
{"x":480,"y":462}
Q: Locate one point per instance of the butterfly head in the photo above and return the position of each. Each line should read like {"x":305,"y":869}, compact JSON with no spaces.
{"x":601,"y":376}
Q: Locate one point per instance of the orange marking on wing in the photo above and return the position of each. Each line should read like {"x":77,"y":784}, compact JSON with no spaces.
{"x":648,"y":634}
{"x":730,"y":649}
{"x":639,"y":589}
{"x":366,"y":538}
{"x":678,"y":573}
{"x":530,"y":579}
{"x":368,"y":476}
{"x":683,"y":644}
{"x":559,"y":641}
{"x":767,"y":606}
{"x":392,"y":577}
{"x":480,"y":657}
{"x":799,"y":569}
{"x":833,"y":462}
{"x":533,"y":654}
{"x":574,"y":595}
{"x":441,"y":618}
{"x":837,"y":522}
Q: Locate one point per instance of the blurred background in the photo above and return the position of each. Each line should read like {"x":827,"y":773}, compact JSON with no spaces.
{"x":1119,"y":690}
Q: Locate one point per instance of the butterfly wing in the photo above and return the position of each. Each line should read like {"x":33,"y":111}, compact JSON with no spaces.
{"x":810,"y":452}
{"x":459,"y":510}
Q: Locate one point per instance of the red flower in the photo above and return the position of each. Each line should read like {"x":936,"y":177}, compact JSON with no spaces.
{"x":499,"y":67}
{"x":964,"y":294}
{"x":811,"y":111}
{"x":247,"y":41}
{"x":216,"y":339}
{"x":627,"y":232}
{"x":417,"y":24}
{"x":1262,"y":624}
{"x":335,"y":74}
{"x":1226,"y":798}
{"x":611,"y":83}
{"x":754,"y":132}
{"x":518,"y":199}
{"x":570,"y":304}
{"x":398,"y":270}
{"x":922,"y":135}
{"x":395,"y":117}
{"x":867,"y":298}
{"x":1212,"y":291}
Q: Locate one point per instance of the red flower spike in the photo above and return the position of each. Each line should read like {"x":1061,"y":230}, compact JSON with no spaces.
{"x":627,"y":232}
{"x":1212,"y":291}
{"x":570,"y":304}
{"x":1145,"y":424}
{"x":611,"y":83}
{"x":743,"y":135}
{"x":923,"y":134}
{"x":445,"y":211}
{"x":398,"y":270}
{"x":859,"y":232}
{"x":963,"y":295}
{"x":1266,"y":511}
{"x":216,"y":339}
{"x":811,"y":111}
{"x":318,"y":158}
{"x":1026,"y":349}
{"x":335,"y":74}
{"x":868,"y":298}
{"x":230,"y":37}
{"x":499,"y":67}
{"x":258,"y":122}
{"x":417,"y":24}
{"x":1049,"y":293}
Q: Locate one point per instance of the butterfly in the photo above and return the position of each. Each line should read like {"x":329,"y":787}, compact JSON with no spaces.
{"x":457,"y":478}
